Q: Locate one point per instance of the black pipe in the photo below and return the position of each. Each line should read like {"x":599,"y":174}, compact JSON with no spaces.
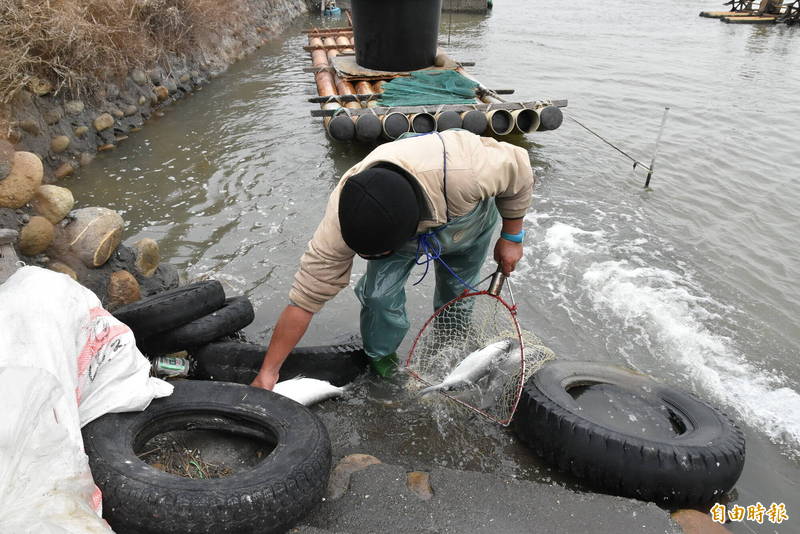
{"x":448,"y":119}
{"x":423,"y":123}
{"x":550,"y":118}
{"x":341,"y":128}
{"x":395,"y":125}
{"x":474,"y":121}
{"x":368,"y":127}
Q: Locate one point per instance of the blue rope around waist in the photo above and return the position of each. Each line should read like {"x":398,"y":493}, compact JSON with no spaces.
{"x":429,"y":249}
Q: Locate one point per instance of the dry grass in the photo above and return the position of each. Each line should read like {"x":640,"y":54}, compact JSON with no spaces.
{"x":75,"y":44}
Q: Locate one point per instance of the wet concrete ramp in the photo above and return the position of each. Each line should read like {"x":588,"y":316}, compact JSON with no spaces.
{"x":378,"y":500}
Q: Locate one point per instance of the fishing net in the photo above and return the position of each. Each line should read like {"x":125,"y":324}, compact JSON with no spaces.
{"x":467,"y":324}
{"x":429,"y":88}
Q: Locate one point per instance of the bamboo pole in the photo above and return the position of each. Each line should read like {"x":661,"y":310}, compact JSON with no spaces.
{"x":364,"y":88}
{"x":343,"y":87}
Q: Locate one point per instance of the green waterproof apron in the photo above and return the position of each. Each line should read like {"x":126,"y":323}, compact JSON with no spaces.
{"x":464,"y":243}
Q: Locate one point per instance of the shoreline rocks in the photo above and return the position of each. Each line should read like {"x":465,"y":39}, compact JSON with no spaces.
{"x":51,"y":134}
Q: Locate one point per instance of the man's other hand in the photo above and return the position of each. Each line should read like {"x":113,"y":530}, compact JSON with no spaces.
{"x":507,"y":254}
{"x":265,"y":379}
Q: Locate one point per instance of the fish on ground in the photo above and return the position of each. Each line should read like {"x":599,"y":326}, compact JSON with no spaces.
{"x":474,"y":367}
{"x":307,"y":391}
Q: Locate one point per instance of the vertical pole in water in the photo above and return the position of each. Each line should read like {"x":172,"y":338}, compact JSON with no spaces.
{"x":655,"y":150}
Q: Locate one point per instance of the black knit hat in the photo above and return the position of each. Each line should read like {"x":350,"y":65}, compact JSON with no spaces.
{"x":378,"y":211}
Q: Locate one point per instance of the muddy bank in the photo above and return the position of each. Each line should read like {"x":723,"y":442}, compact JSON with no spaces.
{"x":51,"y":127}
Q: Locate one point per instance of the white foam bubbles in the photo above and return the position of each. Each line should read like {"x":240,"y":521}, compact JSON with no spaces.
{"x":672,"y":318}
{"x":563,"y":239}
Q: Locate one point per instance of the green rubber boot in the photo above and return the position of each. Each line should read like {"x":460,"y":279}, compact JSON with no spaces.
{"x":385,"y":366}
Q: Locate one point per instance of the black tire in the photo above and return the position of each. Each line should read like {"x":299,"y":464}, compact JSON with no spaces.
{"x":233,"y":361}
{"x":270,"y":497}
{"x":694,"y":467}
{"x":232,"y":316}
{"x":171,"y":309}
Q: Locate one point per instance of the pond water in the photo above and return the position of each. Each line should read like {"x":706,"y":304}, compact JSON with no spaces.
{"x":692,"y":282}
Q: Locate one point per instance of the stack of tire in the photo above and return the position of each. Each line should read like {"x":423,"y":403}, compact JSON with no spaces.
{"x":185,"y":317}
{"x":267,"y":498}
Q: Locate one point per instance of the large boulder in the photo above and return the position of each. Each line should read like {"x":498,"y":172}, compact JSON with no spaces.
{"x":36,"y":236}
{"x":91,"y":235}
{"x":52,"y":202}
{"x":23,"y":180}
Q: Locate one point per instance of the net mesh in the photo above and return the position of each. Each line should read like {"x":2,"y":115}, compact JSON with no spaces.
{"x":429,"y":88}
{"x":462,"y":327}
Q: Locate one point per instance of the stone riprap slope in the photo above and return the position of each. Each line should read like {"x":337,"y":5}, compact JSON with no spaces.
{"x":80,"y":76}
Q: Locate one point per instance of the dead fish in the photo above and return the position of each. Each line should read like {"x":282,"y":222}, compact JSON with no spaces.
{"x":507,"y":366}
{"x":473,"y":367}
{"x":307,"y":391}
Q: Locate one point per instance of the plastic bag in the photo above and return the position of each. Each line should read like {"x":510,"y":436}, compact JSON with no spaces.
{"x":65,"y":361}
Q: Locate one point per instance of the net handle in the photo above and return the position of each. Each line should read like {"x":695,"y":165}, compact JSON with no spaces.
{"x":498,"y":280}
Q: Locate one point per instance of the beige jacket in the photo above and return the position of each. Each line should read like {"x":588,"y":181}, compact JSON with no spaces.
{"x":477,"y":168}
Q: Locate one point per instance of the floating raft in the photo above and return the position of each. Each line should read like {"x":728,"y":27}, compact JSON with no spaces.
{"x":742,"y":13}
{"x":350,"y":98}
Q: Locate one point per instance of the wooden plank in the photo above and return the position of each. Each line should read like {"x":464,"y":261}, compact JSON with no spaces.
{"x":318,"y":69}
{"x":361,"y":98}
{"x":329,"y":30}
{"x":326,"y":47}
{"x":749,"y":20}
{"x":435,"y":107}
{"x":720,"y":14}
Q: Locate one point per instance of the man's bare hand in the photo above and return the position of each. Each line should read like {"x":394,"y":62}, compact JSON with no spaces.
{"x":265,"y":379}
{"x":507,"y":254}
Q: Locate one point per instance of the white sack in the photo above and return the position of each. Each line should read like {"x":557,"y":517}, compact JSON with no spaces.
{"x":58,"y":329}
{"x":45,"y":483}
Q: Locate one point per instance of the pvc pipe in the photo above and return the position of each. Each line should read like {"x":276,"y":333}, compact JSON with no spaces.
{"x":395,"y":124}
{"x":447,"y":120}
{"x":551,"y":118}
{"x":341,"y":127}
{"x":525,"y":120}
{"x":368,"y":127}
{"x":474,"y":121}
{"x":423,"y":122}
{"x":500,"y":121}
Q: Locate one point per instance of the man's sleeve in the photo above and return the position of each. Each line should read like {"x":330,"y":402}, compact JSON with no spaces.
{"x":326,"y":264}
{"x":504,"y":171}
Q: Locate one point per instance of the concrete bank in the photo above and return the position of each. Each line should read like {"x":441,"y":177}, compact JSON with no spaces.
{"x":49,"y":134}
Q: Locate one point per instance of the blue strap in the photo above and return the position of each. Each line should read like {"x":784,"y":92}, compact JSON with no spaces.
{"x":429,"y":249}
